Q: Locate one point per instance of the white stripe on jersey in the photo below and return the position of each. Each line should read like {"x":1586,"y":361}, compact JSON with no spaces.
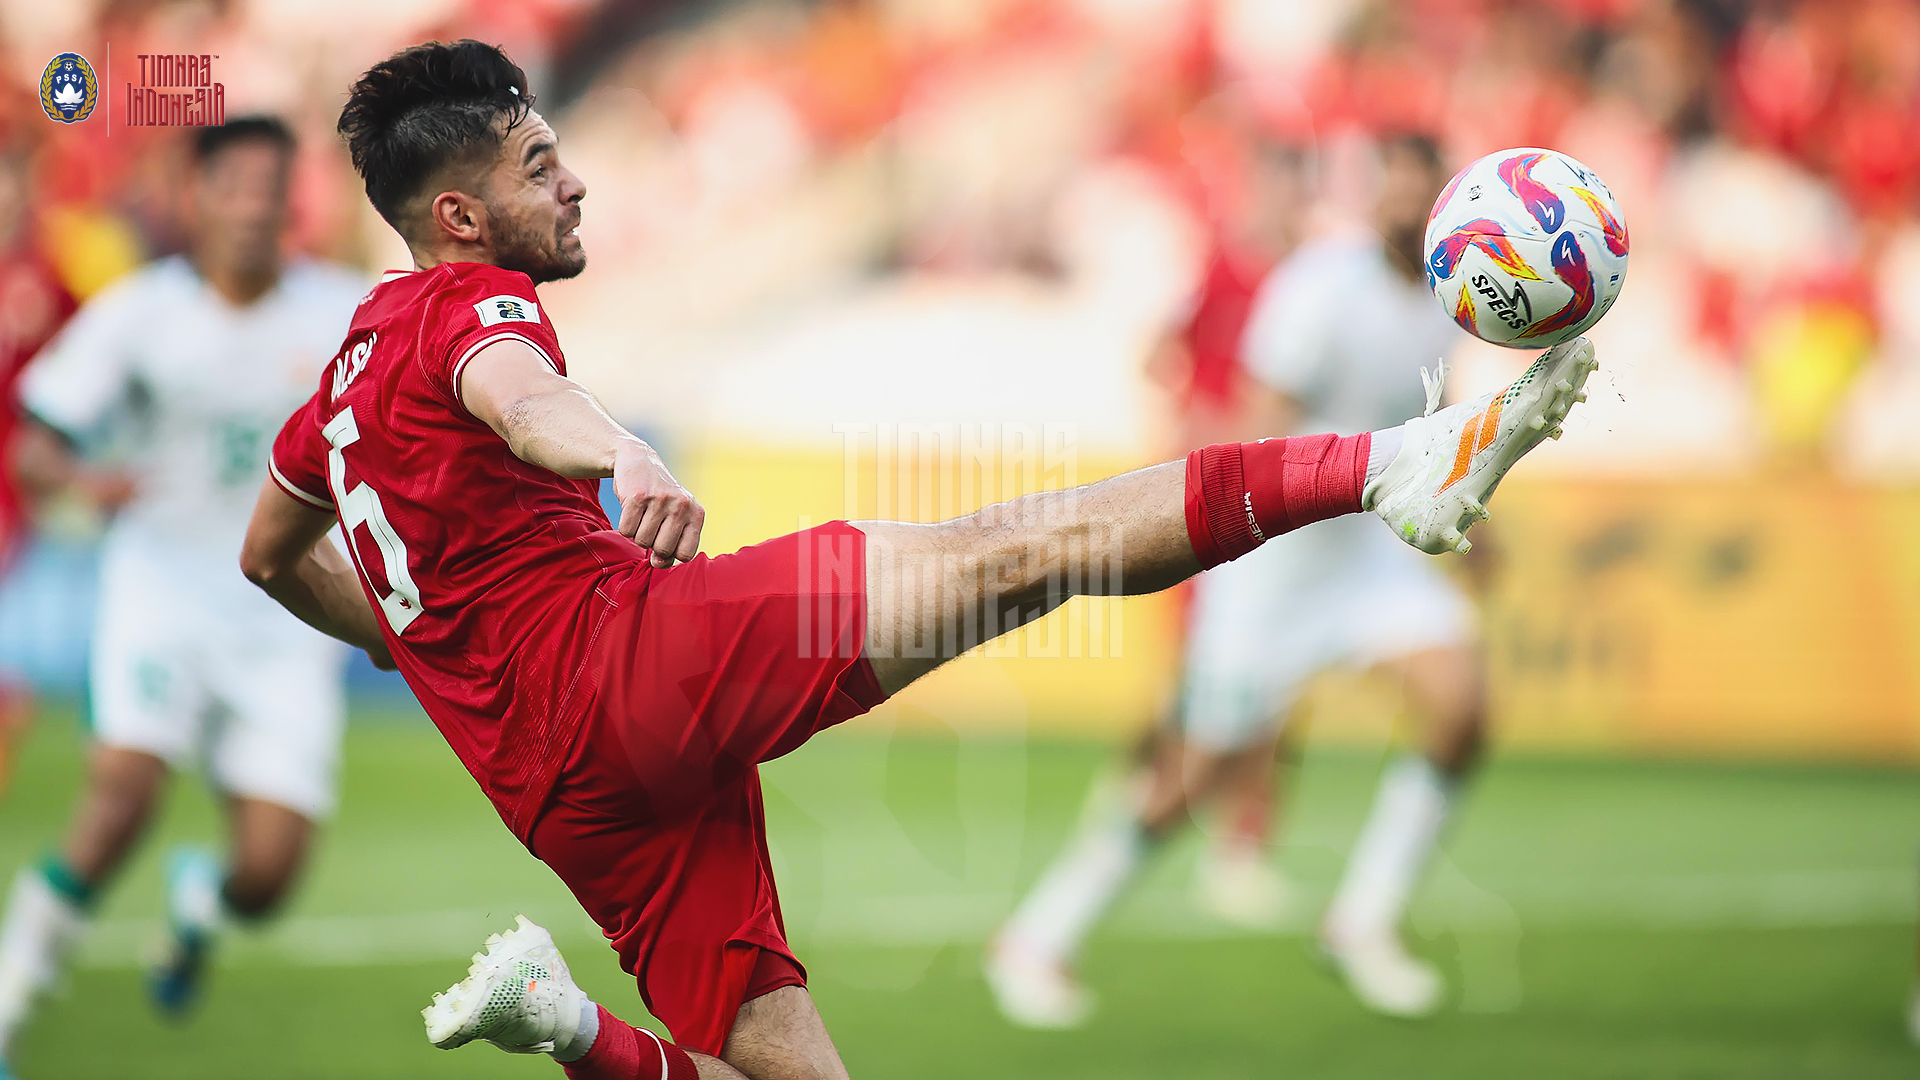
{"x":474,"y":351}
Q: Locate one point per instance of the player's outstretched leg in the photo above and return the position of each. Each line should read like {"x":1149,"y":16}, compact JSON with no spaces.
{"x":934,"y":591}
{"x":519,"y":996}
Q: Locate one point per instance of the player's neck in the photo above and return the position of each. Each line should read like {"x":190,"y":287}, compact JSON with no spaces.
{"x":239,"y":287}
{"x":1407,"y":266}
{"x":427,"y":259}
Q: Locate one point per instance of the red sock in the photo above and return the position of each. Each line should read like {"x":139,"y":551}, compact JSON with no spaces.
{"x":1240,"y":495}
{"x":624,"y":1052}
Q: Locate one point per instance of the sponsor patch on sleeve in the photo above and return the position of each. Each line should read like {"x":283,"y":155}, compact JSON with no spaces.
{"x":507,"y":308}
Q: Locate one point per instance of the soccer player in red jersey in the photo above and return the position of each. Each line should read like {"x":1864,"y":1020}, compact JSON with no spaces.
{"x":613,"y":690}
{"x":36,"y":302}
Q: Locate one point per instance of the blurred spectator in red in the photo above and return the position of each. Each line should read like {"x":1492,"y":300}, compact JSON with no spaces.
{"x":33,"y":304}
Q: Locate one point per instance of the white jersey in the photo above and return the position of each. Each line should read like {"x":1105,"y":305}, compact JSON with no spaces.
{"x":1342,"y":332}
{"x":193,"y":389}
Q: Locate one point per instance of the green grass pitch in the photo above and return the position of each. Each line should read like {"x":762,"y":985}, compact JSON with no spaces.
{"x":1600,"y":919}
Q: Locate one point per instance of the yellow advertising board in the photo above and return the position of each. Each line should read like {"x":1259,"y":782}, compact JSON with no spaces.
{"x":1754,"y":614}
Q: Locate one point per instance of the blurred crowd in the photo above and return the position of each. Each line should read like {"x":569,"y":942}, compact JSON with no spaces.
{"x":760,"y":172}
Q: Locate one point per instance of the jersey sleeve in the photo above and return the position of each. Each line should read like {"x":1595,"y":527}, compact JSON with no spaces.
{"x":489,"y":305}
{"x":1288,"y":342}
{"x":298,"y":463}
{"x":86,"y":372}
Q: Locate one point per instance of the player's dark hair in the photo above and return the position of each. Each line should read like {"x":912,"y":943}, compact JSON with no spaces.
{"x":426,"y":107}
{"x":208,"y":142}
{"x":1424,"y":147}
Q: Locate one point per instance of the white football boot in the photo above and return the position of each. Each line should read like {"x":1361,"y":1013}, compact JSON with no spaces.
{"x":1033,"y":991}
{"x":518,"y":995}
{"x":1238,"y":884}
{"x":1451,"y":459}
{"x":1383,"y":975}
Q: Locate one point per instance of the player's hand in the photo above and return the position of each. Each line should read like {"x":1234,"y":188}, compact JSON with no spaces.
{"x":106,"y":490}
{"x":655,"y":510}
{"x":382,"y":658}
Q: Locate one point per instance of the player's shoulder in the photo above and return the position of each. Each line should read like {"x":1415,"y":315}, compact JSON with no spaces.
{"x":317,"y":277}
{"x":165,"y":279}
{"x":482,"y":293}
{"x":466,"y":279}
{"x":1306,"y":277}
{"x":1339,"y":256}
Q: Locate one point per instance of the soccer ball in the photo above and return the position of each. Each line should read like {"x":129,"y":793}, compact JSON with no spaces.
{"x":1526,"y":248}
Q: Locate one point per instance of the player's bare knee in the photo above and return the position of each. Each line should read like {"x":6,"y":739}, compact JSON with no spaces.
{"x":780,"y":1036}
{"x":257,"y":890}
{"x":1185,"y":778}
{"x":1457,"y":741}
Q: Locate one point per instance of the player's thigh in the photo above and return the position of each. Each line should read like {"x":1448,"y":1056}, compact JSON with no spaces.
{"x":280,"y":719}
{"x":147,"y":683}
{"x":680,"y":882}
{"x":1445,"y":687}
{"x":268,"y":847}
{"x":780,"y":1036}
{"x":1412,"y":620}
{"x":1419,"y":627}
{"x":1258,"y":633}
{"x":1185,"y":778}
{"x":740,"y":658}
{"x":935,"y":591}
{"x":912,"y":590}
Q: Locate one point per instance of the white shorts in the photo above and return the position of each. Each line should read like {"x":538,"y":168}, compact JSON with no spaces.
{"x":1341,"y":593}
{"x":219,"y":677}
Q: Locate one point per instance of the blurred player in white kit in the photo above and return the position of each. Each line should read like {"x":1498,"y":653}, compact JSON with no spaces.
{"x":1336,"y":335}
{"x":186,"y":369}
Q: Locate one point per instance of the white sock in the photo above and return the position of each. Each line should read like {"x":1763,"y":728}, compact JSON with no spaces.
{"x":197,"y":899}
{"x":1401,"y":834}
{"x":39,"y":929}
{"x":1077,"y":889}
{"x":574,"y":1044}
{"x":1382,"y":450}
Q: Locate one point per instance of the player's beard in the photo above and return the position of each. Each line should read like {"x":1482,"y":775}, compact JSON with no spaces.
{"x":542,"y":252}
{"x":1407,"y":244}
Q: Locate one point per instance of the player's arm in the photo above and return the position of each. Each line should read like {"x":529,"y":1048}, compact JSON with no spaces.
{"x":45,"y":464}
{"x":551,"y":421}
{"x":286,"y":553}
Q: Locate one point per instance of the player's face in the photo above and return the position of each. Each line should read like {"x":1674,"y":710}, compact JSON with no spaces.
{"x":533,"y":206}
{"x":240,"y":204}
{"x":1408,"y":185}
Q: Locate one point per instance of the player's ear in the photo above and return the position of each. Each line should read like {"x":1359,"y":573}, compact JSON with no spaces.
{"x":457,"y":215}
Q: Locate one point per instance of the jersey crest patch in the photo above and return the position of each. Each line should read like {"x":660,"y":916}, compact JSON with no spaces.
{"x":507,"y":308}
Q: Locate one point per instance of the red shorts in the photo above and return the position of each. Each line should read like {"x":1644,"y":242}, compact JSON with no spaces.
{"x":705,"y":671}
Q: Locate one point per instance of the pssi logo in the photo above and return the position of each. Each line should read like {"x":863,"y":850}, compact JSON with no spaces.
{"x":1513,"y":308}
{"x":68,"y":89}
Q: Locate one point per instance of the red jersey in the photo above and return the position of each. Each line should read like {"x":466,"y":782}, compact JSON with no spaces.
{"x":1214,"y":330}
{"x":483,"y":569}
{"x":36,"y":303}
